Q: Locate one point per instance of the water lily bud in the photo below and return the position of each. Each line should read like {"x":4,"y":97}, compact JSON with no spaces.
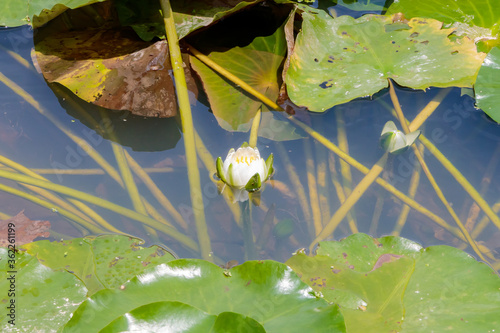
{"x":244,"y":168}
{"x":395,"y":141}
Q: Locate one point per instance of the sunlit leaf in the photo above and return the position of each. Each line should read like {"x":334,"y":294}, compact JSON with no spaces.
{"x":483,"y":13}
{"x":256,"y":64}
{"x":112,"y":69}
{"x":266,"y":291}
{"x":43,"y":299}
{"x":393,"y":284}
{"x":337,"y":60}
{"x":487,"y":87}
{"x":106,"y":261}
{"x":180,"y":317}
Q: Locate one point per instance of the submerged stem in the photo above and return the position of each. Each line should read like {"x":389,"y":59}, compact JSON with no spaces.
{"x":188,"y":130}
{"x":430,"y":177}
{"x":101,"y":203}
{"x":356,"y":194}
{"x":248,"y":240}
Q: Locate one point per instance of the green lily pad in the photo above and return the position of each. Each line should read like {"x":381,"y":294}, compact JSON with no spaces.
{"x":337,"y":60}
{"x":487,"y":87}
{"x":105,"y":261}
{"x":256,"y":64}
{"x":393,"y":284}
{"x":266,"y":291}
{"x":483,"y":13}
{"x":44,"y":299}
{"x":180,"y":317}
{"x":16,"y":13}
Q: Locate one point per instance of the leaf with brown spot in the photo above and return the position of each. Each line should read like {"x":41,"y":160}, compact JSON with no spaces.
{"x":402,"y":287}
{"x":105,"y":261}
{"x":111,"y":68}
{"x":25,"y":230}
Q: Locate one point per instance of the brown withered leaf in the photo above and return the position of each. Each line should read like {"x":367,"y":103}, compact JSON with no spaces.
{"x":26,"y":230}
{"x":111,"y":68}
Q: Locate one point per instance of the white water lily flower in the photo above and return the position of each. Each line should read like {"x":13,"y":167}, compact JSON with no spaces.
{"x":244,"y":168}
{"x":395,"y":141}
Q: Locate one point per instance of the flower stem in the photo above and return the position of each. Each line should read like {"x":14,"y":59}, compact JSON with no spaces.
{"x":188,"y":130}
{"x":254,"y":132}
{"x":248,"y":241}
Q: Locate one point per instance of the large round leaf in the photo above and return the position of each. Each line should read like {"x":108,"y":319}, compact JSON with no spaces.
{"x":487,"y":87}
{"x":337,"y":60}
{"x":105,"y":261}
{"x":392,"y":284}
{"x":483,"y":13}
{"x":267,"y":291}
{"x":44,"y":299}
{"x":180,"y":317}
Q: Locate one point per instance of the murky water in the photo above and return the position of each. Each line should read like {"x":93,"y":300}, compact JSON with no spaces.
{"x":462,"y":133}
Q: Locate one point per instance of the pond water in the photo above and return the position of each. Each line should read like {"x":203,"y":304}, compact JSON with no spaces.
{"x":462,"y":133}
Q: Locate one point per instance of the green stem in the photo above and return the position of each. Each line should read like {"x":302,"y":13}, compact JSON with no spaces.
{"x":429,"y":175}
{"x":248,"y":241}
{"x":254,"y":132}
{"x":81,"y":224}
{"x":188,"y":130}
{"x":356,"y":194}
{"x":391,"y":189}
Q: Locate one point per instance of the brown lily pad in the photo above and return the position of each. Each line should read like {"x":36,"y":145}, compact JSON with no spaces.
{"x":111,"y":68}
{"x":22,"y":230}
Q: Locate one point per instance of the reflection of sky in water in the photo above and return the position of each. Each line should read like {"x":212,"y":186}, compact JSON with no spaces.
{"x":461,"y":132}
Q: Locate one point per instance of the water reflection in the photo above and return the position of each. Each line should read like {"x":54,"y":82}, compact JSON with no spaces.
{"x":306,"y":189}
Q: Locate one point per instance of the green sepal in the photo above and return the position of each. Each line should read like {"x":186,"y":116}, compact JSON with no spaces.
{"x":389,"y":127}
{"x":244,"y":145}
{"x":230,"y":174}
{"x":412,"y":137}
{"x":399,"y":150}
{"x":220,"y":174}
{"x":254,"y":183}
{"x":269,"y":166}
{"x":385,"y":140}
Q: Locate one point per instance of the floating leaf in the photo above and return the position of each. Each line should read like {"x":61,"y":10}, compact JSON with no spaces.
{"x":393,"y":284}
{"x":487,"y":87}
{"x":266,"y":291}
{"x":180,"y":317}
{"x":15,"y":12}
{"x":112,"y":69}
{"x":256,"y":64}
{"x":106,"y":261}
{"x":25,"y":230}
{"x":44,"y":299}
{"x":337,"y":60}
{"x":483,"y":13}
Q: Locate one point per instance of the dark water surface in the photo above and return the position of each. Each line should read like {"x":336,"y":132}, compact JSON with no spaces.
{"x":462,"y":133}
